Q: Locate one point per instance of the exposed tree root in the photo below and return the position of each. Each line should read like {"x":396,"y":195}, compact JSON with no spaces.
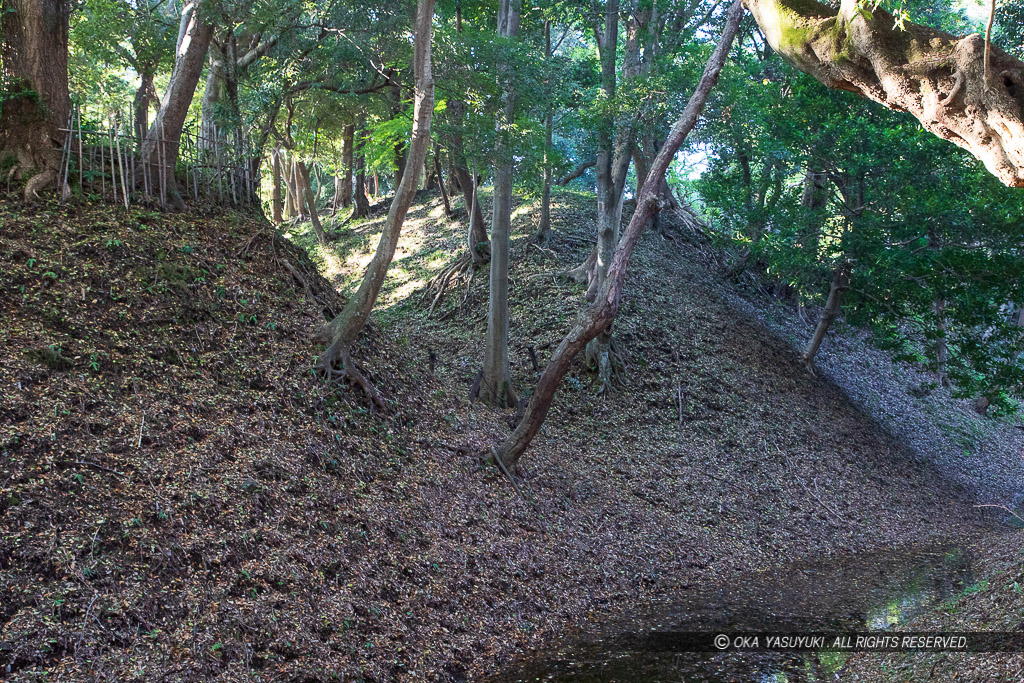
{"x":38,"y":182}
{"x":583,"y":273}
{"x":438,"y":285}
{"x":609,"y":362}
{"x":502,"y":396}
{"x":335,"y":365}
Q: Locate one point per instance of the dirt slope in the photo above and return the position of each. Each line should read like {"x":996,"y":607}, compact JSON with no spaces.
{"x":181,"y":500}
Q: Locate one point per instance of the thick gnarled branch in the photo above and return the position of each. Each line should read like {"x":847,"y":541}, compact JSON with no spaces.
{"x":936,"y":77}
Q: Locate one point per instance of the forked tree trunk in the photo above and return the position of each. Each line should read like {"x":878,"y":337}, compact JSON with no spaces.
{"x":275,"y":194}
{"x":840,"y":285}
{"x":346,"y":165}
{"x":476,"y":234}
{"x":496,"y":381}
{"x":600,"y":314}
{"x":163,"y":140}
{"x":307,"y":188}
{"x":35,"y":101}
{"x":936,"y":77}
{"x":341,"y":333}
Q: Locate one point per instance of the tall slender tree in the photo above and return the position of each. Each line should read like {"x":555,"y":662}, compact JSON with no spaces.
{"x":496,"y":381}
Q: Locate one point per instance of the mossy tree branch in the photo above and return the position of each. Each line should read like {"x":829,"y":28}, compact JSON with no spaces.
{"x":936,"y":77}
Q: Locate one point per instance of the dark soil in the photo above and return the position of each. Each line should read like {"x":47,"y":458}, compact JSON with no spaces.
{"x":181,"y":499}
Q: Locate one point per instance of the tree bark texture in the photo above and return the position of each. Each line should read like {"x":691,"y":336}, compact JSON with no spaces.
{"x":938,"y":78}
{"x":35,"y":73}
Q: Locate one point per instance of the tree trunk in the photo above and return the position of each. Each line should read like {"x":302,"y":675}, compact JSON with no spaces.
{"x":361,"y":208}
{"x":336,"y":196}
{"x":941,"y":348}
{"x":36,"y":103}
{"x":938,"y":78}
{"x":476,"y":235}
{"x":168,"y":124}
{"x":496,"y":382}
{"x":144,"y":96}
{"x":210,"y":137}
{"x":296,"y":182}
{"x":613,"y":157}
{"x":346,"y":165}
{"x":440,"y":181}
{"x":291,"y":209}
{"x":318,"y":228}
{"x":342,"y":332}
{"x":400,"y":155}
{"x":840,"y":285}
{"x":543,"y":235}
{"x":600,"y":314}
{"x":275,"y":194}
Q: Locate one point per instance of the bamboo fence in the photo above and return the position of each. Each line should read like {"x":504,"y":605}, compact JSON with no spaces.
{"x":104,"y":160}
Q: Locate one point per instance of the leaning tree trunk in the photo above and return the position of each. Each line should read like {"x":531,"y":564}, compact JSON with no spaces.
{"x":496,"y":381}
{"x":165,"y":132}
{"x":938,"y":78}
{"x":840,"y":285}
{"x":36,"y":103}
{"x":341,"y":333}
{"x":600,"y":314}
{"x":307,"y":187}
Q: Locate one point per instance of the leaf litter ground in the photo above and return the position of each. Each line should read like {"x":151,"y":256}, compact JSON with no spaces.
{"x":180,"y":499}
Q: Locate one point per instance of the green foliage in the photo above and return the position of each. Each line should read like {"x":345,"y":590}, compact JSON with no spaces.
{"x":933,"y":238}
